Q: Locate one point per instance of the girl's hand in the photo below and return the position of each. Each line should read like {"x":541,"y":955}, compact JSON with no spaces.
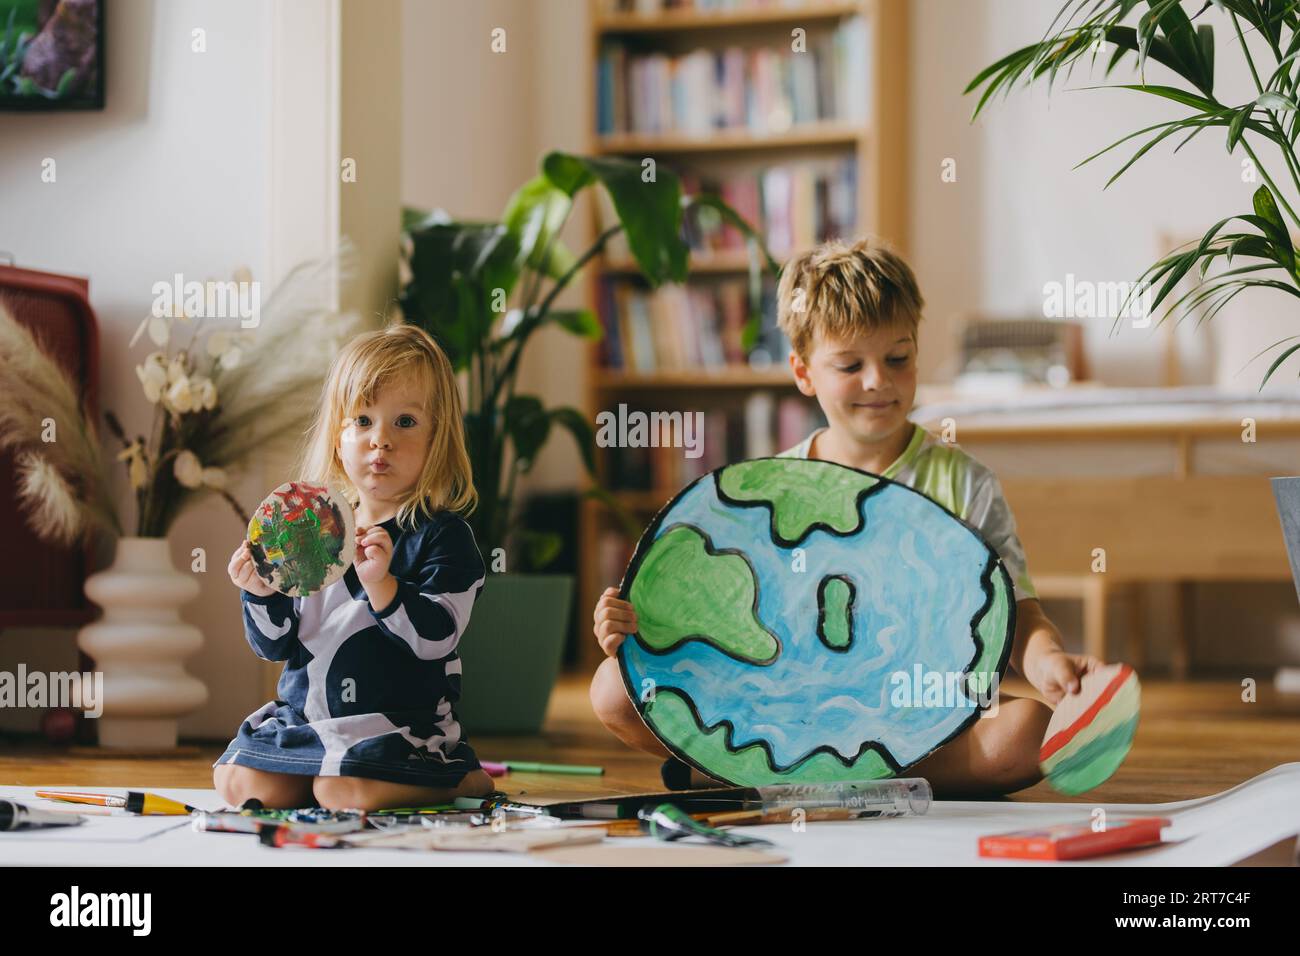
{"x":374,"y":552}
{"x":243,"y":573}
{"x":1057,"y":673}
{"x":615,"y":620}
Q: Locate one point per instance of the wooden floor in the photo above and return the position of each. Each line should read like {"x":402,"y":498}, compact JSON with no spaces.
{"x":1195,"y":738}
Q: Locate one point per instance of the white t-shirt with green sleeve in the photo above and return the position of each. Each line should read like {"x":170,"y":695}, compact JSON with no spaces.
{"x":944,"y":473}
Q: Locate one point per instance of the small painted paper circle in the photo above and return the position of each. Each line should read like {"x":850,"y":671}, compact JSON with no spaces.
{"x":804,"y":622}
{"x":301,"y":537}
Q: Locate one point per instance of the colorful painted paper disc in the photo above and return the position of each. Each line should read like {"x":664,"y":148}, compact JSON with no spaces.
{"x":1091,"y":731}
{"x":301,"y":537}
{"x":802,"y":622}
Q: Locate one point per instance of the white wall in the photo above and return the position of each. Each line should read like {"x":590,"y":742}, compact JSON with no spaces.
{"x":177,"y":175}
{"x":475,"y":127}
{"x":1019,"y":216}
{"x":170,"y":177}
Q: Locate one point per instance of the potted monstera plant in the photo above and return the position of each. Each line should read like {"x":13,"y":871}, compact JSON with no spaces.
{"x":483,"y":289}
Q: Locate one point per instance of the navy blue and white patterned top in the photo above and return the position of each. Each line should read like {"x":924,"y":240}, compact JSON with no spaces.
{"x":365,"y":692}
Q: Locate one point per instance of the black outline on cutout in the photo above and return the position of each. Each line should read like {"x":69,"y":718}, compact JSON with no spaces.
{"x":709,"y":549}
{"x":821,"y":611}
{"x":771,"y":506}
{"x":875,"y":745}
{"x":649,"y":536}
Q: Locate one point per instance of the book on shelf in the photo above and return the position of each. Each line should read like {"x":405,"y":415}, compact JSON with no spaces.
{"x":793,"y":206}
{"x":764,"y":90}
{"x":767,"y":422}
{"x":677,"y":328}
{"x":653,"y":8}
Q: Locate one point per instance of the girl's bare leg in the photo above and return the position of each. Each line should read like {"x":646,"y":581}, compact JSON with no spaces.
{"x":276,"y":791}
{"x":339,"y":793}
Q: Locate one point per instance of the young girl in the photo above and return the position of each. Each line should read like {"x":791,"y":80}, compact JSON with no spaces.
{"x":365,"y":716}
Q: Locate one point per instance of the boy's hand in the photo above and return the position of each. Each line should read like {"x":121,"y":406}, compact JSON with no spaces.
{"x":1056,"y":673}
{"x":374,"y":552}
{"x":243,"y":573}
{"x":614,"y":619}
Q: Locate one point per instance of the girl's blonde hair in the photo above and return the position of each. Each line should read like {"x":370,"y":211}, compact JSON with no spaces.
{"x":366,"y":364}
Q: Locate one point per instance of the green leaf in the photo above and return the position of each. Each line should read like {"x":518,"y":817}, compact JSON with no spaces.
{"x":534,"y":214}
{"x":540,"y":547}
{"x":1169,"y":93}
{"x":1275,"y":101}
{"x":581,"y":322}
{"x":1278,"y":361}
{"x":1237,"y":126}
{"x":1205,"y":35}
{"x":649,"y":211}
{"x":528,"y":427}
{"x":576,"y":424}
{"x":454,"y":268}
{"x":1274,"y":227}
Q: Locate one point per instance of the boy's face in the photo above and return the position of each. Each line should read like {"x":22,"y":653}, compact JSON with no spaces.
{"x":384,"y":444}
{"x":865,"y":384}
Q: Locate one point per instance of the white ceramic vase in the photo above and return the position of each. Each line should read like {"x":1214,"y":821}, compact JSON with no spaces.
{"x":139,"y":645}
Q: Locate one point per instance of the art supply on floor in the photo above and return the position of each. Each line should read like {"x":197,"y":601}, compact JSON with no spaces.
{"x":850,"y":800}
{"x":623,"y":854}
{"x":413,"y":811}
{"x":479,"y":839}
{"x":492,"y":804}
{"x":307,"y":820}
{"x":1074,"y":841}
{"x":275,"y":835}
{"x":19,"y":816}
{"x":667,"y":822}
{"x":625,"y":806}
{"x":528,"y":766}
{"x":494,"y":769}
{"x":1091,"y":731}
{"x":134,"y":802}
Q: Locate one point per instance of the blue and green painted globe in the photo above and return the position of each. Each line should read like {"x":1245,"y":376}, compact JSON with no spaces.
{"x":782,"y":605}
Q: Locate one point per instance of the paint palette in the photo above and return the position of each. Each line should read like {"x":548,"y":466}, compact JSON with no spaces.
{"x":301,"y":537}
{"x":1092,"y":730}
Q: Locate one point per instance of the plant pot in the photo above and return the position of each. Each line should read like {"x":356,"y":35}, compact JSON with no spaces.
{"x":139,"y":645}
{"x":511,"y":652}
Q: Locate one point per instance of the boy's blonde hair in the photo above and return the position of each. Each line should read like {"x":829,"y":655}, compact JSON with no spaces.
{"x":838,"y":290}
{"x":365,"y":364}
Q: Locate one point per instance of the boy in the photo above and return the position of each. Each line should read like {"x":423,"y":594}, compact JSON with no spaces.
{"x":851,"y":314}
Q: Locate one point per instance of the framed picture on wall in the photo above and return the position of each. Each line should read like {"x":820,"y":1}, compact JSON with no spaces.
{"x":51,"y":54}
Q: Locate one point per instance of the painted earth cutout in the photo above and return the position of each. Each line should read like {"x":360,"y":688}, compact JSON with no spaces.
{"x":805,"y":622}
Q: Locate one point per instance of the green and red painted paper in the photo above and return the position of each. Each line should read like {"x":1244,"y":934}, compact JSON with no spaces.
{"x":804,"y":622}
{"x":301,"y":537}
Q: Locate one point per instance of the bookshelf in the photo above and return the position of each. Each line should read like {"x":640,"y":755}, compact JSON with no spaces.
{"x":813,"y":131}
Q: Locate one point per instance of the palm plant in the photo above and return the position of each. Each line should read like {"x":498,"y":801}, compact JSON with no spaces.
{"x":464,"y":276}
{"x":1255,"y":247}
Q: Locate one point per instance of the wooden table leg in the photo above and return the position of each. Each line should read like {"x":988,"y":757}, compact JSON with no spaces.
{"x":1094,"y":616}
{"x":1182,"y":620}
{"x":1137,"y":626}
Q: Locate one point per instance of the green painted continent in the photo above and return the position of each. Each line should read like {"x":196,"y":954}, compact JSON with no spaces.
{"x":681,"y":592}
{"x":801,"y":492}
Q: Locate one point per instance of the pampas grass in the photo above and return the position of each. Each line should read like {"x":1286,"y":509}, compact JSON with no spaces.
{"x":264,"y":403}
{"x":63,"y":483}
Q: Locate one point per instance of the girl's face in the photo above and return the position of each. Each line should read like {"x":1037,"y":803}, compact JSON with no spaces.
{"x":384,"y":444}
{"x":865,"y":384}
